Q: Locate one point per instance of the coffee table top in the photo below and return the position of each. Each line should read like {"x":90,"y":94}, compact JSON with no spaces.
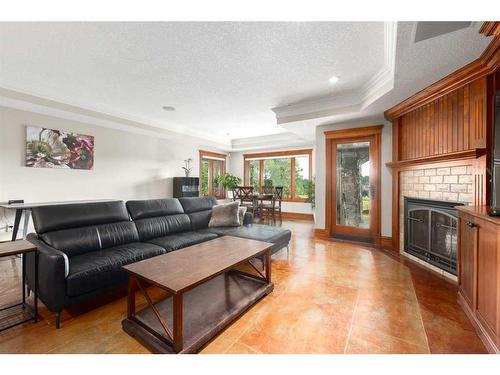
{"x":186,"y":268}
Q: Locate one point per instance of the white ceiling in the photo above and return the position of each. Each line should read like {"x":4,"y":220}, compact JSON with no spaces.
{"x":222,"y":77}
{"x":225,"y":78}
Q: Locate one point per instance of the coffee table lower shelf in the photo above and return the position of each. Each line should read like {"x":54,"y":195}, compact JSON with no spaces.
{"x":207,"y":310}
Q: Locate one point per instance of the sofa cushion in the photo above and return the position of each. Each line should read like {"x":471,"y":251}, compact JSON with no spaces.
{"x":225,"y":215}
{"x":142,"y":209}
{"x":180,"y":240}
{"x":162,"y":226}
{"x":66,"y":216}
{"x":76,"y":241}
{"x":200,"y":220}
{"x":196,"y":204}
{"x":199,"y":210}
{"x":280,"y":237}
{"x":98,"y":269}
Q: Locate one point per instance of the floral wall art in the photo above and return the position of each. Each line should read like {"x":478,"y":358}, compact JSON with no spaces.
{"x":49,"y":148}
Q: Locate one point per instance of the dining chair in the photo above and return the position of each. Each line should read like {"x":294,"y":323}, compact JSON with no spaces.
{"x":245,"y":194}
{"x":278,"y":197}
{"x":237,"y":194}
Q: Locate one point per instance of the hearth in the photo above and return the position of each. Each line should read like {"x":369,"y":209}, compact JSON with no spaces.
{"x":430,"y":232}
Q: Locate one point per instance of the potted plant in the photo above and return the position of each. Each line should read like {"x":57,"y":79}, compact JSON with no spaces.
{"x":228,"y":181}
{"x":311,"y":196}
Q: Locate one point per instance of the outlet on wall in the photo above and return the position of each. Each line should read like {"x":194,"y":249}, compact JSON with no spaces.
{"x":8,"y":227}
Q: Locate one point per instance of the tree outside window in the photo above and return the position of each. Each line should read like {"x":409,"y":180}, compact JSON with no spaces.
{"x":289,"y":169}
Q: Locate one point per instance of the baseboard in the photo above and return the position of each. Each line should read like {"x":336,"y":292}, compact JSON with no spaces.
{"x":321,"y":233}
{"x":297,"y":215}
{"x":481,"y":332}
{"x":386,"y":243}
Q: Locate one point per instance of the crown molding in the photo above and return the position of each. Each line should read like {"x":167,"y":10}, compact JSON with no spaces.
{"x":27,"y":102}
{"x":486,"y":64}
{"x":270,"y":142}
{"x":330,"y":105}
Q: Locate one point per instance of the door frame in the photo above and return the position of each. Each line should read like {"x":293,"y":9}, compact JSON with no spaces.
{"x":350,"y":134}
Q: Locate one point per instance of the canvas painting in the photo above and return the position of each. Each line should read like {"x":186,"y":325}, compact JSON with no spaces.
{"x":49,"y":148}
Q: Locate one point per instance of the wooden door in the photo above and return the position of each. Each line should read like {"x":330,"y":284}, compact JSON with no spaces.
{"x":355,"y":188}
{"x":467,"y":260}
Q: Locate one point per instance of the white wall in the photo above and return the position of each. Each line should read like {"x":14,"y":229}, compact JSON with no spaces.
{"x":235,"y":167}
{"x":386,"y":173}
{"x":127,"y":165}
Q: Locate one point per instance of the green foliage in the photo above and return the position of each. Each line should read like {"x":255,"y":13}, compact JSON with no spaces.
{"x":204,"y":177}
{"x":228,"y":181}
{"x":311,"y":197}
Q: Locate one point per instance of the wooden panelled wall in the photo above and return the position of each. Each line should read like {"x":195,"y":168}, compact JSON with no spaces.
{"x":452,"y":123}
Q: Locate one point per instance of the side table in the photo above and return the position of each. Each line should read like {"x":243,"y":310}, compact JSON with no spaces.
{"x":20,"y":247}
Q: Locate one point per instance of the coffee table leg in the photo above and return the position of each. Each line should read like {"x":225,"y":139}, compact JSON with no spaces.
{"x":268,"y":266}
{"x":178,"y":325}
{"x":132,"y":288}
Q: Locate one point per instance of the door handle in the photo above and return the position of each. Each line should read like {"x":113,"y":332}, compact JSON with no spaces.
{"x":470,"y":224}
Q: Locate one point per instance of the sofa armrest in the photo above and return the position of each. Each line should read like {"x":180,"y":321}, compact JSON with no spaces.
{"x":248,"y":219}
{"x":53,"y":267}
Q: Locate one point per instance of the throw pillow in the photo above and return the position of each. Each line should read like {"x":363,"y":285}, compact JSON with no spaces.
{"x":242,"y":212}
{"x":225,"y":215}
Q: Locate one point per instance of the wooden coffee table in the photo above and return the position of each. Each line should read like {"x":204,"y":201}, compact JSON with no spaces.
{"x":206,"y":292}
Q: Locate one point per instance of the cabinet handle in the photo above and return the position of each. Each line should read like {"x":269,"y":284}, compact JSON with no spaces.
{"x":470,"y":224}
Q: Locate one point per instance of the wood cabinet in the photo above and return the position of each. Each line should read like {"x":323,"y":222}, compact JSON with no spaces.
{"x":479,"y":272}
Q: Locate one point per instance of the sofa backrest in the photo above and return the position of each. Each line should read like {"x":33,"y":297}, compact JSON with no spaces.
{"x":199,"y":210}
{"x":79,"y":228}
{"x":158,"y":217}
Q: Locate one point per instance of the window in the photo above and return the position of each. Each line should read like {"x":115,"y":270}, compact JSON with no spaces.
{"x":290,"y":169}
{"x":211,"y":165}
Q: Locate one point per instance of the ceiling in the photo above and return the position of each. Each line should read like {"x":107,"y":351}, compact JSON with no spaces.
{"x":230,"y":82}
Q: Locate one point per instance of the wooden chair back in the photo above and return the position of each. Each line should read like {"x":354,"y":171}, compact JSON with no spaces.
{"x":246,"y":194}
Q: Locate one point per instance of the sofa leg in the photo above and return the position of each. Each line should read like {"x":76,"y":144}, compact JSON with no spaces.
{"x":58,"y":320}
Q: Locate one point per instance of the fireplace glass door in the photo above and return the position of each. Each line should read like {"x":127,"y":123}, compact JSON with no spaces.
{"x":431,"y":232}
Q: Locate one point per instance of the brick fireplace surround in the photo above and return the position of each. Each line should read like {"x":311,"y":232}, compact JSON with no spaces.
{"x":437,"y":183}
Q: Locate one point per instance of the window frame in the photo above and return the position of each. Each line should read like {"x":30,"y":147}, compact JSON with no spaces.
{"x":211,"y":157}
{"x":269,"y":155}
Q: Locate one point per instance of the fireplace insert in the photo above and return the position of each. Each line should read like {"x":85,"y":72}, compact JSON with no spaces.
{"x":431,"y":232}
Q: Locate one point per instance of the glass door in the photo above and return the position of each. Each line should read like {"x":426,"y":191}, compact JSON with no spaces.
{"x":355,"y":181}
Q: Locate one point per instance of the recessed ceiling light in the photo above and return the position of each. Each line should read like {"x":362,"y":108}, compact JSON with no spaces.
{"x":168,"y":108}
{"x":333,"y":79}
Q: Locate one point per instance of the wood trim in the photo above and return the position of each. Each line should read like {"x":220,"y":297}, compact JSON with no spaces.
{"x":321,"y":233}
{"x":490,"y":28}
{"x":202,"y":154}
{"x":307,"y":151}
{"x":386,"y":243}
{"x":458,"y":155}
{"x":213,"y":154}
{"x":354,"y":132}
{"x":483,"y":335}
{"x":350,"y":135}
{"x":486,"y":64}
{"x":297,"y":215}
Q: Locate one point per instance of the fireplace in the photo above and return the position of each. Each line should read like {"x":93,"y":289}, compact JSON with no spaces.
{"x":430,"y":232}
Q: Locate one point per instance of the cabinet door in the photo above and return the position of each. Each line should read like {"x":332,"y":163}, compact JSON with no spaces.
{"x":467,"y":256}
{"x":487,"y":268}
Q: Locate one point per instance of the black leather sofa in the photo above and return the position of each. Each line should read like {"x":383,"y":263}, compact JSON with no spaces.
{"x":82,"y":247}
